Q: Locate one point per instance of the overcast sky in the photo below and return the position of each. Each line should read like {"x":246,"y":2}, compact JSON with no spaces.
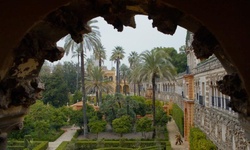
{"x":143,"y":37}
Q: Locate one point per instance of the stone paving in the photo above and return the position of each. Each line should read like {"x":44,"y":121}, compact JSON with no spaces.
{"x":172,"y":131}
{"x":66,"y":136}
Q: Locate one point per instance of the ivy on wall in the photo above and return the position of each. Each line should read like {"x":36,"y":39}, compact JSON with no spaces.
{"x":199,"y":141}
{"x":178,"y":116}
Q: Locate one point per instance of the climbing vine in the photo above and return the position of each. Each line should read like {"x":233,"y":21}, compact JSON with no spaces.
{"x":178,"y":116}
{"x":198,"y":140}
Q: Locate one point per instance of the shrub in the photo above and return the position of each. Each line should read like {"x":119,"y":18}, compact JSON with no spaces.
{"x":144,"y":125}
{"x":178,"y":116}
{"x":122,"y":125}
{"x":198,"y":140}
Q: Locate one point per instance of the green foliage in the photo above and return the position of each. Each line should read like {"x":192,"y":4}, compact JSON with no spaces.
{"x":42,"y":146}
{"x":198,"y":140}
{"x":144,"y":125}
{"x":178,"y":116}
{"x":161,"y":117}
{"x":97,"y":126}
{"x":117,"y":105}
{"x":77,"y":96}
{"x":70,"y":75}
{"x":122,"y":125}
{"x":56,"y":90}
{"x":179,"y":60}
{"x":43,"y":122}
{"x":141,"y":101}
{"x":115,"y":144}
{"x":19,"y":145}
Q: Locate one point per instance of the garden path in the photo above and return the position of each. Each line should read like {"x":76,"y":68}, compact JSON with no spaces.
{"x":66,"y":136}
{"x":172,"y":131}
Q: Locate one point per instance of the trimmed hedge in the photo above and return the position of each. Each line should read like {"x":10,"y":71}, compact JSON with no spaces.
{"x":63,"y":145}
{"x":90,"y":145}
{"x":19,"y":145}
{"x":178,"y":116}
{"x":116,"y":144}
{"x":199,"y":141}
{"x":42,"y":146}
{"x":55,"y":137}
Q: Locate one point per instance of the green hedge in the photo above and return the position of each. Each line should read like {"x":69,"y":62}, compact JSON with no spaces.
{"x":116,"y":144}
{"x":178,"y":116}
{"x":199,"y":141}
{"x":62,"y":146}
{"x":90,"y":145}
{"x":19,"y":145}
{"x":42,"y":146}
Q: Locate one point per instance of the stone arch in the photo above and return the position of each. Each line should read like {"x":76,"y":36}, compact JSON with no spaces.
{"x":24,"y":48}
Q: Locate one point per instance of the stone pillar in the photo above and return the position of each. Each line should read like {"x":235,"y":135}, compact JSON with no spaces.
{"x":188,"y":105}
{"x":188,"y":117}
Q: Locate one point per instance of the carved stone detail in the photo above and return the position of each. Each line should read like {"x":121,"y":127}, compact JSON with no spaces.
{"x":213,"y":128}
{"x":231,"y":85}
{"x":204,"y":43}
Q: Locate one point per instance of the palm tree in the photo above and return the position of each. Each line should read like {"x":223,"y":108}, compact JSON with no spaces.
{"x":100,"y":55}
{"x":133,"y":59}
{"x":89,"y":65}
{"x":117,"y":55}
{"x":95,"y":81}
{"x":124,"y":72}
{"x":89,"y":42}
{"x":156,"y":64}
{"x":136,"y":78}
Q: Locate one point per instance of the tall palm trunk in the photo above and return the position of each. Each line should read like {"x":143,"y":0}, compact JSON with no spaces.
{"x":124,"y":87}
{"x":134,"y":89}
{"x":100,"y":92}
{"x":84,"y":95}
{"x":153,"y":106}
{"x":77,"y":75}
{"x":139,"y":89}
{"x":97,"y":96}
{"x":117,"y":76}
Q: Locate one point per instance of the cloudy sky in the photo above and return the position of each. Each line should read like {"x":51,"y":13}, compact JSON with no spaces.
{"x":143,"y":37}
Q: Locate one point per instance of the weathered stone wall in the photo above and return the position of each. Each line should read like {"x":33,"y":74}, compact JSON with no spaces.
{"x":222,"y":127}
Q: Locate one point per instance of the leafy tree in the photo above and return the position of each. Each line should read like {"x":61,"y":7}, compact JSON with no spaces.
{"x":77,"y":96}
{"x":156,"y":64}
{"x":70,"y":76}
{"x":179,"y":60}
{"x":89,"y":42}
{"x":144,"y":125}
{"x":43,"y":122}
{"x":122,"y":125}
{"x":161,"y":117}
{"x":117,"y":105}
{"x":97,"y":126}
{"x":117,"y":55}
{"x":141,"y":102}
{"x":56,"y":90}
